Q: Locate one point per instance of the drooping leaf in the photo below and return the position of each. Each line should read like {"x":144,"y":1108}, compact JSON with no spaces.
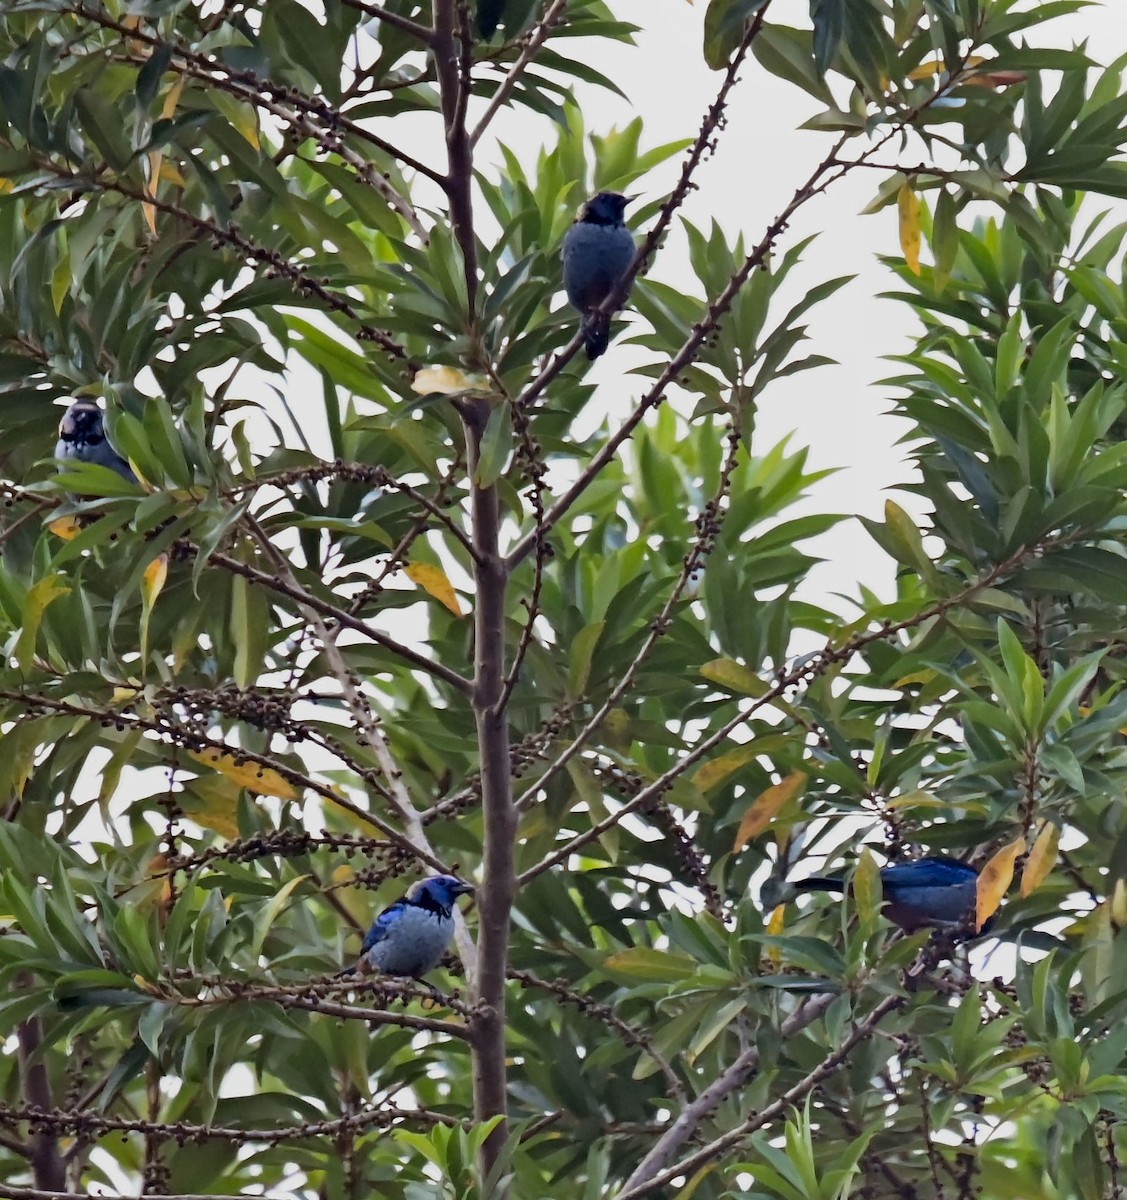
{"x":767,"y":806}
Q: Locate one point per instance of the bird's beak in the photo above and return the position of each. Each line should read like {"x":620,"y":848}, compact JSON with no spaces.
{"x":630,"y":199}
{"x":464,"y":888}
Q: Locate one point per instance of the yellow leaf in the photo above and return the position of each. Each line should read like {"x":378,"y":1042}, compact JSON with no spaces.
{"x":925,"y":676}
{"x":244,"y":119}
{"x":935,"y":67}
{"x":433,"y":580}
{"x":1042,"y":858}
{"x":767,"y":806}
{"x":1117,"y":905}
{"x":909,"y":205}
{"x":734,"y":676}
{"x":444,"y":380}
{"x":153,"y":579}
{"x":156,"y":157}
{"x":151,"y":583}
{"x":136,"y":45}
{"x":250,"y":775}
{"x":213,"y":803}
{"x":775,"y":927}
{"x":712,"y":773}
{"x":39,"y":597}
{"x":68,"y":528}
{"x":687,"y":1191}
{"x":148,"y":209}
{"x":155,"y":888}
{"x":994,"y":880}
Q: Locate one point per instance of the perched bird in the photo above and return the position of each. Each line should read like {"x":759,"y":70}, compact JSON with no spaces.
{"x":410,"y":936}
{"x":937,"y":891}
{"x":597,"y":251}
{"x":82,"y":438}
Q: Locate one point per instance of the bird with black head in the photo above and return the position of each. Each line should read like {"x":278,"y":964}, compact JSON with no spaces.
{"x":598,"y":251}
{"x":82,"y":438}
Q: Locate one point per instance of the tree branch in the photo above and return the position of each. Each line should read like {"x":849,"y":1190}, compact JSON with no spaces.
{"x":495,"y":900}
{"x":192,"y":740}
{"x":423,"y":32}
{"x":652,"y":1172}
{"x":231,"y":235}
{"x":819,"y":179}
{"x":323,"y":608}
{"x":311,"y":117}
{"x":47,"y":1166}
{"x":454,"y":94}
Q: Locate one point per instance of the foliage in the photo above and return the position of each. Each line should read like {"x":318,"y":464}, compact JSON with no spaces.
{"x":394,"y":597}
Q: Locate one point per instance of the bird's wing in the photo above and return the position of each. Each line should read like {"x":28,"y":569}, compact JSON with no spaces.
{"x":928,"y":872}
{"x":382,"y":925}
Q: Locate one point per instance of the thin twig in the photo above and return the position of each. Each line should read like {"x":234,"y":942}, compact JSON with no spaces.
{"x":535,"y":38}
{"x":404,"y":24}
{"x":367,"y":726}
{"x":323,"y":608}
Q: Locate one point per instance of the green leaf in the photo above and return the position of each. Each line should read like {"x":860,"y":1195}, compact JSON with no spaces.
{"x":725,"y":22}
{"x":40,"y":596}
{"x":640,"y":962}
{"x":496,"y":443}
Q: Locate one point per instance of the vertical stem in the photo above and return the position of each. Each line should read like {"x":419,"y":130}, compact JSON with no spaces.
{"x":451,"y":44}
{"x":47,"y":1166}
{"x":451,"y":63}
{"x":498,"y":875}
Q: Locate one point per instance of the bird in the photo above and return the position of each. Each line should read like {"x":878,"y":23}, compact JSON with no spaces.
{"x":82,"y":438}
{"x":598,"y":250}
{"x":937,"y":891}
{"x":411,"y":935}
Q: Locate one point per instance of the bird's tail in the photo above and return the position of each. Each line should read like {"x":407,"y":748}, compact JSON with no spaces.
{"x":596,"y":333}
{"x":819,"y":883}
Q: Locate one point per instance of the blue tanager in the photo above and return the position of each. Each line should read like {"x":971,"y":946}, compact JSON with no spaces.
{"x":597,"y":252}
{"x":410,"y":936}
{"x":936,"y":891}
{"x":82,"y":438}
